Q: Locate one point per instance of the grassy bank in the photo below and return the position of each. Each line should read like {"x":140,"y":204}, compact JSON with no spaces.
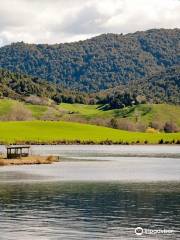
{"x":28,"y":160}
{"x":41,"y":132}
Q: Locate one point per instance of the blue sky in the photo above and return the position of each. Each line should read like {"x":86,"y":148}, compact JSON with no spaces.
{"x":56,"y":21}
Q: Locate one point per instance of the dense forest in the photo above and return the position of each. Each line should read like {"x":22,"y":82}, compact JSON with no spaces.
{"x":17,"y":86}
{"x":20,"y":86}
{"x":162,"y":87}
{"x":103,"y":62}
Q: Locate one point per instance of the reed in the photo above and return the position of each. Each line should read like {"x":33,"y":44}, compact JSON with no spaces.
{"x":29,"y":160}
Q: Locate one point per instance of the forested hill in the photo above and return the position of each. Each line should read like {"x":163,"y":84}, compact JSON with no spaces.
{"x":159,"y":88}
{"x":16,"y":85}
{"x":162,"y":87}
{"x":19,"y":86}
{"x":98,"y":63}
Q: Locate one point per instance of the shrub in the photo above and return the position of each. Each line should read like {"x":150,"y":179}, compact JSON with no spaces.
{"x":113,"y":123}
{"x":141,"y":127}
{"x":37,"y":100}
{"x":19,"y":113}
{"x":157,"y":125}
{"x":100,"y":122}
{"x":50,"y":115}
{"x":125,"y":124}
{"x":170,"y":127}
{"x":151,"y":130}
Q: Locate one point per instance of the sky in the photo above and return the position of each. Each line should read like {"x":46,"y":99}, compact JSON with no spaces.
{"x":58,"y":21}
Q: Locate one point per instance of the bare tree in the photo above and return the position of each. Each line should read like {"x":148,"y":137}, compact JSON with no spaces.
{"x":37,"y":100}
{"x":19,"y":113}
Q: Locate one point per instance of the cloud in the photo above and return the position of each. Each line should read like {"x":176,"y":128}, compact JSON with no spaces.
{"x":55,"y":21}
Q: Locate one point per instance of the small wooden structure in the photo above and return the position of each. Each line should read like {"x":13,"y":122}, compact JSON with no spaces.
{"x":14,"y":152}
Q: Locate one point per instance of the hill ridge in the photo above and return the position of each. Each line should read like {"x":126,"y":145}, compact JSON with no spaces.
{"x":99,"y":63}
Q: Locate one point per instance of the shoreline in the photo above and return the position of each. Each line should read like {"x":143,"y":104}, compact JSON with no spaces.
{"x":31,"y":160}
{"x":79,"y":142}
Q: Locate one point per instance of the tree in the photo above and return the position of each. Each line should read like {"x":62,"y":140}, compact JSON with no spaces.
{"x":114,"y":123}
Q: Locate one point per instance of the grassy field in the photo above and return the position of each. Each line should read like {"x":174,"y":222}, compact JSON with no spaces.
{"x":82,"y":109}
{"x":37,"y":110}
{"x":67,"y":132}
{"x":146,"y":112}
{"x":5,"y":106}
{"x":39,"y":131}
{"x":86,"y":111}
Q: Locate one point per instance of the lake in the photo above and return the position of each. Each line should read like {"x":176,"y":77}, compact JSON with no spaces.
{"x":94,"y":192}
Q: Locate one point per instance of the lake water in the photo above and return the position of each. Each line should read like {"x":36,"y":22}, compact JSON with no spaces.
{"x":94,"y":192}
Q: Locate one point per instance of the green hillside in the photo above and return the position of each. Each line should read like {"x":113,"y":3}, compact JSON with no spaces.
{"x":37,"y":110}
{"x":83,"y":110}
{"x":98,"y":63}
{"x":143,"y":113}
{"x":146,"y":113}
{"x":5,"y":106}
{"x":17,"y":85}
{"x":67,"y":132}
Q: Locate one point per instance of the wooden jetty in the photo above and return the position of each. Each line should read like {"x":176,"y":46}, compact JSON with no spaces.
{"x":19,"y":155}
{"x":15,"y":152}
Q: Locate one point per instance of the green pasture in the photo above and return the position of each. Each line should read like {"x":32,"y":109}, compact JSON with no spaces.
{"x":37,"y":110}
{"x":145,"y":113}
{"x":49,"y":131}
{"x":5,"y":106}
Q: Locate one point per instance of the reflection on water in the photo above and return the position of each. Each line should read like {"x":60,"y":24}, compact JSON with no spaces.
{"x":95,"y":192}
{"x":112,"y":150}
{"x":100,"y":169}
{"x":87,"y":210}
